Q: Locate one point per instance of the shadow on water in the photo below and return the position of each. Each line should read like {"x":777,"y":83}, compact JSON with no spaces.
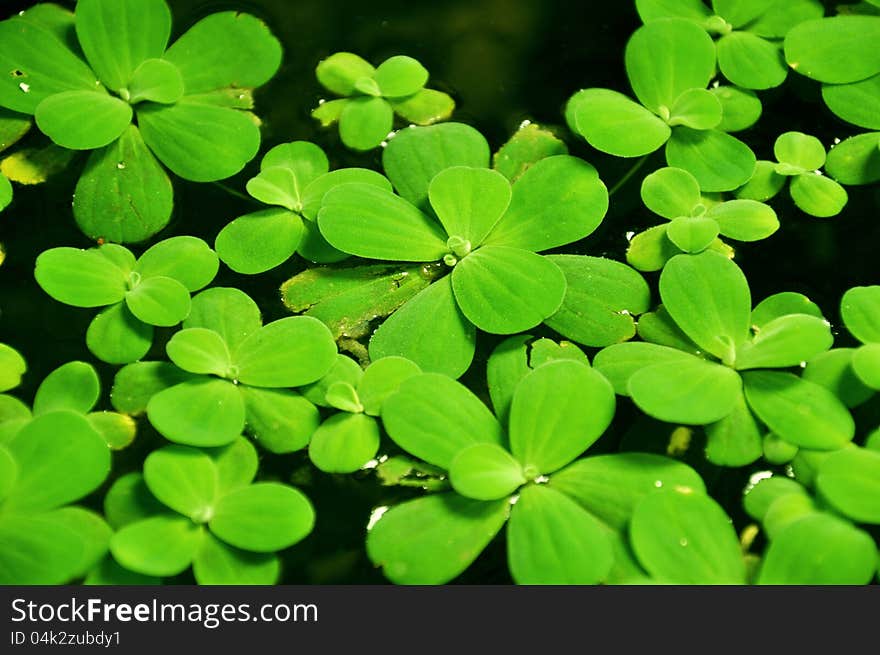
{"x":504,"y":61}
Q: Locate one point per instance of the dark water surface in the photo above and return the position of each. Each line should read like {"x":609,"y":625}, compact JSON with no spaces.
{"x":504,"y":61}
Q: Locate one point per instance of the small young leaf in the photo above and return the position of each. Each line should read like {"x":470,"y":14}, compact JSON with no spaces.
{"x":818,"y":195}
{"x":485,"y":471}
{"x":198,"y":350}
{"x":263,"y":517}
{"x":744,"y":220}
{"x":696,"y":108}
{"x":671,"y":192}
{"x":425,"y":107}
{"x":161,"y":301}
{"x":434,"y":418}
{"x":365,"y":122}
{"x":692,"y":234}
{"x":381,"y":379}
{"x":156,"y":80}
{"x":339,"y":72}
{"x":650,"y":250}
{"x":800,"y":151}
{"x":184,"y":479}
{"x":529,"y":144}
{"x":344,"y":443}
{"x":229,"y":312}
{"x":469,"y":201}
{"x":115,"y":336}
{"x":117,"y":430}
{"x":400,"y":76}
{"x":186,"y":259}
{"x":432,"y":540}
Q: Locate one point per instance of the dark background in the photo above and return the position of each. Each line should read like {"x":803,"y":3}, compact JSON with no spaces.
{"x":504,"y":61}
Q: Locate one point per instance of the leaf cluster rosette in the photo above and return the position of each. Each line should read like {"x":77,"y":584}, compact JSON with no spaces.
{"x":202,"y":508}
{"x":562,"y":524}
{"x":236,"y":372}
{"x":749,"y":33}
{"x":373,"y":95}
{"x":51,"y":456}
{"x":708,"y":359}
{"x":669,"y":64}
{"x":293,"y":179}
{"x":350,"y":437}
{"x":695,"y":221}
{"x":138,"y":294}
{"x":104,"y":79}
{"x":799,"y":159}
{"x":816,"y":540}
{"x":458,"y":213}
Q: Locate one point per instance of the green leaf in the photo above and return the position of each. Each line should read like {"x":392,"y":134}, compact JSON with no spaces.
{"x":12,"y":367}
{"x":692,"y":234}
{"x":671,"y":192}
{"x":129,"y":500}
{"x":109,"y":573}
{"x":60,"y":459}
{"x":799,"y":411}
{"x":199,"y":142}
{"x":184,"y":479}
{"x":229,"y":312}
{"x":136,"y":383}
{"x":507,"y":365}
{"x":117,"y":337}
{"x":860,"y":310}
{"x":764,"y":184}
{"x":82,"y":278}
{"x":367,"y":221}
{"x":485,"y":471}
{"x":280,"y":420}
{"x":83,"y":120}
{"x":783,"y":304}
{"x":226,"y":49}
{"x":365,"y":122}
{"x":740,"y":12}
{"x":777,"y":19}
{"x":744,"y":220}
{"x":425,"y":107}
{"x":263,"y":517}
{"x":833,"y":370}
{"x":610,"y":486}
{"x":719,"y":161}
{"x":691,"y":391}
{"x":46,"y":65}
{"x":835,"y":50}
{"x":620,"y":361}
{"x":400,"y":76}
{"x":161,"y":301}
{"x":236,"y":464}
{"x":344,"y":371}
{"x":818,"y":195}
{"x":339,"y":72}
{"x":650,"y":10}
{"x":557,"y":201}
{"x":785,"y":341}
{"x":819,"y":549}
{"x":601,"y":298}
{"x":117,"y":430}
{"x":857,"y":103}
{"x":432,"y":540}
{"x":429,"y":330}
{"x":344,"y":443}
{"x":215,"y":563}
{"x":708,"y":297}
{"x":866,"y":364}
{"x":740,"y":108}
{"x":735,"y":440}
{"x":558,"y":411}
{"x":434,"y":418}
{"x":856,"y":160}
{"x":288,"y":352}
{"x":186,"y":259}
{"x":117,"y":37}
{"x":552,"y":540}
{"x":751,"y":62}
{"x":850,"y":481}
{"x":666,"y":58}
{"x":313,"y":195}
{"x":73,"y":386}
{"x":260,"y":241}
{"x":198,"y":350}
{"x":613,"y":123}
{"x":124,"y":194}
{"x":201,"y":412}
{"x":650,"y":250}
{"x":529,"y":144}
{"x":658,"y":327}
{"x":37,"y":551}
{"x":696,"y":108}
{"x":93,"y":533}
{"x":686,"y":538}
{"x":761,"y":496}
{"x":161,"y":546}
{"x":505,"y":290}
{"x":469,"y":201}
{"x":415,"y":155}
{"x":381,"y":379}
{"x":800,"y":151}
{"x":156,"y":80}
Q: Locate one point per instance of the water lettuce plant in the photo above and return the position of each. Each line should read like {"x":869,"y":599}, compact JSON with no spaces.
{"x":373,"y":95}
{"x":105,"y":80}
{"x":139,"y":294}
